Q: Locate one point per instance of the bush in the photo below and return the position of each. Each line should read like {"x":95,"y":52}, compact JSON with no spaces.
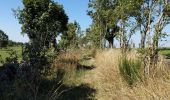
{"x":129,"y":70}
{"x":13,"y":57}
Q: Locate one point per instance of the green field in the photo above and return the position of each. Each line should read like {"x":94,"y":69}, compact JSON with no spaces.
{"x":5,"y":52}
{"x":165,"y":51}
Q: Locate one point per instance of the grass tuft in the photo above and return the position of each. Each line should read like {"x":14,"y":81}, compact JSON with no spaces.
{"x":129,"y":70}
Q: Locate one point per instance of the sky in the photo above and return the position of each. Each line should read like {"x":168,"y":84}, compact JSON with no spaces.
{"x":75,"y":9}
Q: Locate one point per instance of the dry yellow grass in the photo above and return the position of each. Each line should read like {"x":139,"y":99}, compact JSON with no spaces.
{"x":107,"y":80}
{"x":66,"y":62}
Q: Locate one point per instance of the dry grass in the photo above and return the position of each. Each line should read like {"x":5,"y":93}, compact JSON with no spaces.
{"x":67,"y":63}
{"x":107,"y":80}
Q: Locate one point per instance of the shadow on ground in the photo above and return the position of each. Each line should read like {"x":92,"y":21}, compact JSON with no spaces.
{"x":84,"y":67}
{"x":11,"y":77}
{"x":81,"y":92}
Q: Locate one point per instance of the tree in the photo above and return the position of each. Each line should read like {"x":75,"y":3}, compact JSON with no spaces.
{"x":101,"y":12}
{"x":109,"y":14}
{"x":144,"y":21}
{"x":42,"y":22}
{"x":92,"y":36}
{"x":126,"y":12}
{"x":71,"y":37}
{"x":111,"y":34}
{"x":3,"y":39}
{"x":158,"y":18}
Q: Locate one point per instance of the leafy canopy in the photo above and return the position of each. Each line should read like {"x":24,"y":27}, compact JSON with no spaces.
{"x":3,"y":39}
{"x":42,"y":20}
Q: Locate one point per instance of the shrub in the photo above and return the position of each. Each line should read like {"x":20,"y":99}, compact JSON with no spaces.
{"x":13,"y":57}
{"x":129,"y":70}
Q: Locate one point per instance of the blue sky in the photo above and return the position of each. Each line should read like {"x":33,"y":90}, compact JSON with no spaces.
{"x":75,"y":9}
{"x":8,"y":23}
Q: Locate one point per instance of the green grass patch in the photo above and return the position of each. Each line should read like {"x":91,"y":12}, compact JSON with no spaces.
{"x":80,"y":73}
{"x":4,"y":52}
{"x":85,"y":62}
{"x":129,"y":70}
{"x":165,"y":51}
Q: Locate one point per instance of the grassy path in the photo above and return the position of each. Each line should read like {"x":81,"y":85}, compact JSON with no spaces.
{"x":109,"y":85}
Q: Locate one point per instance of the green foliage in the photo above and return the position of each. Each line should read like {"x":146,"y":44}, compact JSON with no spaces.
{"x":5,"y":53}
{"x":144,"y":51}
{"x":13,"y":57}
{"x":167,"y":10}
{"x":129,"y":70}
{"x":107,"y":14}
{"x":42,"y":22}
{"x":1,"y":60}
{"x":92,"y":37}
{"x":69,"y":37}
{"x":3,"y":39}
{"x":72,"y":38}
{"x":14,"y":44}
{"x":102,"y":13}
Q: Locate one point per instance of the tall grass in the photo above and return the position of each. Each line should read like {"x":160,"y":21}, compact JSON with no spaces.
{"x":110,"y":84}
{"x":67,"y":63}
{"x":129,"y":69}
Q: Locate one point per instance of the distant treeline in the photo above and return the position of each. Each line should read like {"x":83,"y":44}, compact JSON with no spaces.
{"x":4,"y":40}
{"x":13,"y":43}
{"x":164,"y":48}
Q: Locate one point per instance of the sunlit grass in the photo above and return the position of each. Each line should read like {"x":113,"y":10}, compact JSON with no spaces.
{"x":165,"y":51}
{"x":110,"y":84}
{"x":4,"y":52}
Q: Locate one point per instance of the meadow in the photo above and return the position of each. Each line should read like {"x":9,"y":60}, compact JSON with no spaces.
{"x":5,"y":52}
{"x":100,"y":78}
{"x":96,"y":75}
{"x":165,"y":51}
{"x":67,"y":59}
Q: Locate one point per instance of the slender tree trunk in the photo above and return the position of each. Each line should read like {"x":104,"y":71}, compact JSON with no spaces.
{"x":101,"y":39}
{"x":104,"y":44}
{"x":143,"y":39}
{"x":101,"y":33}
{"x":154,"y":52}
{"x":120,"y":41}
{"x":111,"y":43}
{"x":148,"y":60}
{"x":122,"y":35}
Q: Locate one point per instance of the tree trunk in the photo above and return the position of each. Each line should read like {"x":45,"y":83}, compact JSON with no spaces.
{"x":148,"y":60}
{"x":111,"y":43}
{"x":120,"y":42}
{"x":101,"y":38}
{"x":154,"y":49}
{"x":143,"y":39}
